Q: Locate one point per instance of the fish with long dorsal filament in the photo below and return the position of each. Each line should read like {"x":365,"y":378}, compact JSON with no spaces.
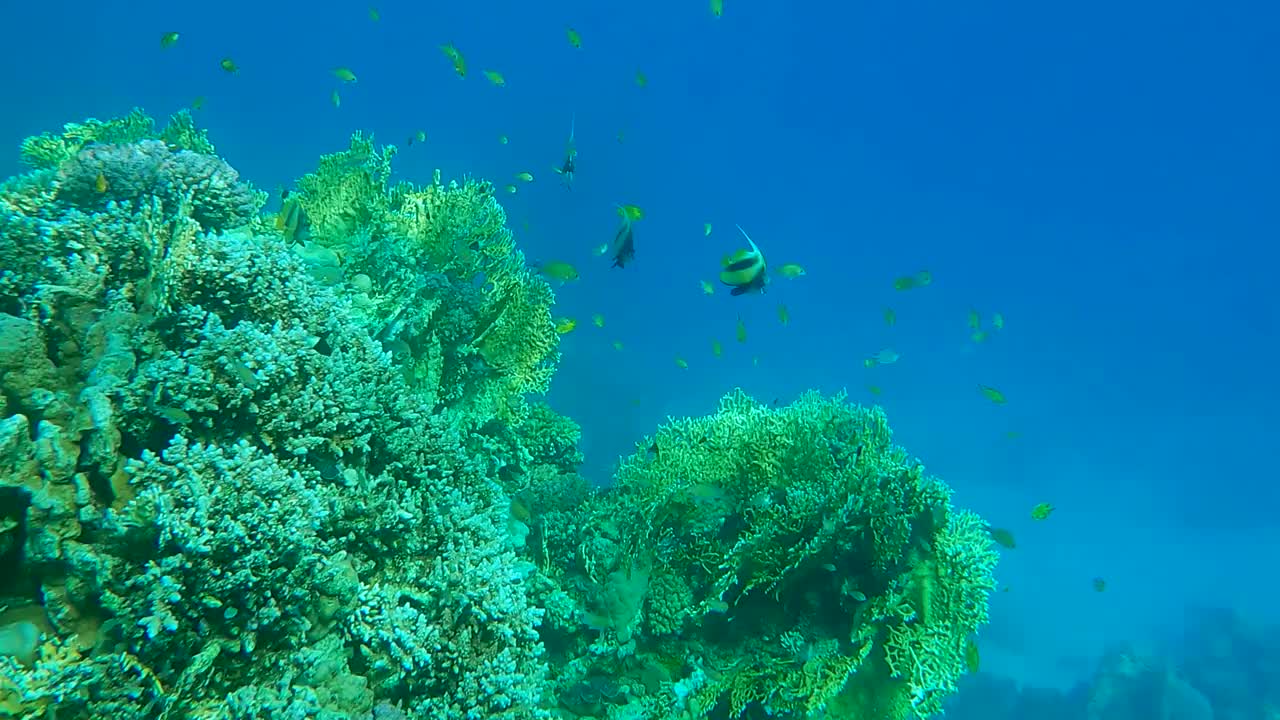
{"x":745,"y":271}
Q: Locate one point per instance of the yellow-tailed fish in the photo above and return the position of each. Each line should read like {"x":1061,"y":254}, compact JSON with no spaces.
{"x":229,"y":65}
{"x":890,"y":317}
{"x":716,"y":348}
{"x":566,"y":325}
{"x":597,"y":320}
{"x":100,"y":184}
{"x":495,"y":77}
{"x":344,"y":74}
{"x":525,"y":176}
{"x":559,"y":270}
{"x":681,"y":363}
{"x":706,"y":229}
{"x":623,"y":248}
{"x":512,"y":189}
{"x":992,"y":394}
{"x":335,"y":98}
{"x":168,"y":40}
{"x":642,"y":80}
{"x":740,"y":332}
{"x":708,"y":288}
{"x":455,"y":56}
{"x":717,"y":8}
{"x":784,"y":316}
{"x":374,"y":15}
{"x":791,"y":271}
{"x":997,"y":321}
{"x":575,"y":39}
{"x":1042,"y":511}
{"x":631,"y":212}
{"x":745,"y":270}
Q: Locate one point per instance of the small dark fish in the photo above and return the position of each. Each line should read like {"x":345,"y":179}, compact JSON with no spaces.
{"x":1099,"y":584}
{"x":1003,"y":537}
{"x":623,"y":249}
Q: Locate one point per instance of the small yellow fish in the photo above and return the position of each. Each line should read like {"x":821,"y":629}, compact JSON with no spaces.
{"x":101,"y":184}
{"x":717,"y":8}
{"x":566,"y":325}
{"x":791,"y":271}
{"x":910,"y":282}
{"x":975,"y":320}
{"x":890,"y":317}
{"x":421,"y":136}
{"x":617,"y":345}
{"x":706,"y":229}
{"x":335,"y":98}
{"x":344,"y":74}
{"x":716,"y":348}
{"x":559,"y":270}
{"x":708,"y":288}
{"x":992,"y":394}
{"x":503,"y":140}
{"x":1042,"y":511}
{"x":229,"y":65}
{"x":1099,"y":584}
{"x":455,"y":56}
{"x":874,"y":389}
{"x":525,"y":176}
{"x":374,"y":15}
{"x":622,"y":136}
{"x":495,"y":77}
{"x":168,"y":40}
{"x":512,"y":189}
{"x":681,"y":363}
{"x":198,"y":102}
{"x":1013,"y":435}
{"x":642,"y":80}
{"x":741,"y":332}
{"x":631,"y":212}
{"x":784,"y":316}
{"x":574,"y":38}
{"x":978,"y":336}
{"x":597,"y":320}
{"x":997,"y":321}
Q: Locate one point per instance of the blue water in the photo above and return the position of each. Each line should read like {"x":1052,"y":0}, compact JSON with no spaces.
{"x":1104,"y":175}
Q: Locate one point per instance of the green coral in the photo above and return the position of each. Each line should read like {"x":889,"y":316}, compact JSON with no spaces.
{"x":49,"y":150}
{"x":806,"y":559}
{"x":442,"y":284}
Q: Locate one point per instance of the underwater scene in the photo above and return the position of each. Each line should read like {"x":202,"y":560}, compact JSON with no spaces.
{"x":706,"y":360}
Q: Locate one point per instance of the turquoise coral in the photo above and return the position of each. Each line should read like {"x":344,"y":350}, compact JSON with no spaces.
{"x":246,"y":473}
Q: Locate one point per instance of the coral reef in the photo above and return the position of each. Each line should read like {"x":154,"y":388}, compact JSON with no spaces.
{"x":290,"y":467}
{"x":782,"y":561}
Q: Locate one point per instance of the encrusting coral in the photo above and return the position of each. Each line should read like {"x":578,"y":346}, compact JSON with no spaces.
{"x":287,"y":466}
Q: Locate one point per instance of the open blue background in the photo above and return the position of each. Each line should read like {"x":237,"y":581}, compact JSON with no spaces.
{"x":1103,"y":174}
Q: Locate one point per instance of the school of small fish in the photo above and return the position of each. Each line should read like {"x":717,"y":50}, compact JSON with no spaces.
{"x":744,"y":271}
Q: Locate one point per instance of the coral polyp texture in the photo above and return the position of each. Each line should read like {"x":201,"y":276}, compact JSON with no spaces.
{"x":292,"y":465}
